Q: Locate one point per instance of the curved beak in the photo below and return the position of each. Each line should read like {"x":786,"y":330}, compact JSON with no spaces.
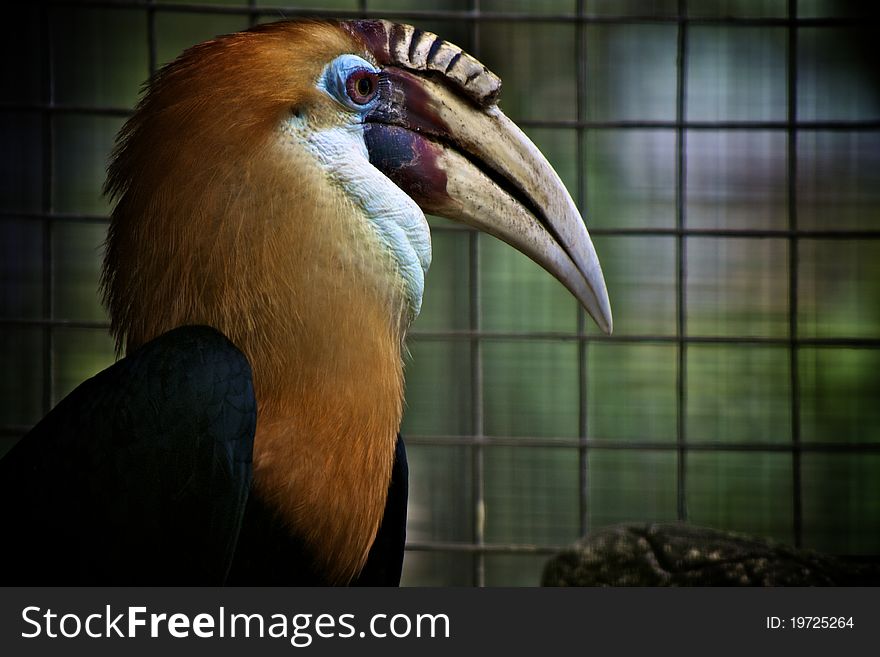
{"x":441,"y":137}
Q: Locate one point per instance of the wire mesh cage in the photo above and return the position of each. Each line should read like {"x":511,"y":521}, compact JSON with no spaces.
{"x":726,"y":156}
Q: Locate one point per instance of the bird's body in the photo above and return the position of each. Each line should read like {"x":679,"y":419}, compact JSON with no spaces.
{"x":271,"y":186}
{"x":142,"y":474}
{"x":318,"y":321}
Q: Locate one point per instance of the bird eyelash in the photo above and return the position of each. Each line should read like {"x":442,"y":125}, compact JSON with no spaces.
{"x":384,"y":89}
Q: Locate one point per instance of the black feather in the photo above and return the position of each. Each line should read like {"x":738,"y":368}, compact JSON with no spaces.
{"x":140,"y":475}
{"x":385,"y":563}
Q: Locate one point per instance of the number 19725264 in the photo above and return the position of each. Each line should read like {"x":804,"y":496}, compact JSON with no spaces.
{"x":810,"y":623}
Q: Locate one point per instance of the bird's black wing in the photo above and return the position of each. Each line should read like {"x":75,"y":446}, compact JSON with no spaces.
{"x":140,"y":476}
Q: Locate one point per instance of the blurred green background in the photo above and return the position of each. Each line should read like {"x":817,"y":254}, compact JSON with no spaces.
{"x":526,"y":427}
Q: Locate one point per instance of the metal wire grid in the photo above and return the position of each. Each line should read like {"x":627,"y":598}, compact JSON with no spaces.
{"x":49,"y":109}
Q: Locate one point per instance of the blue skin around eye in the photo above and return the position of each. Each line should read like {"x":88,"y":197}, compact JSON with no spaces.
{"x":337,"y":72}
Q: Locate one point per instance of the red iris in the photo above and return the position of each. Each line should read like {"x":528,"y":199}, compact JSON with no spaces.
{"x":361,"y":86}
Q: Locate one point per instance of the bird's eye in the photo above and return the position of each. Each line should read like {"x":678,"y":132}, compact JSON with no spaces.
{"x":352,"y":81}
{"x":361,"y":86}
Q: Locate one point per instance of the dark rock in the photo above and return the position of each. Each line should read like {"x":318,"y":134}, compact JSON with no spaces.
{"x":685,"y":555}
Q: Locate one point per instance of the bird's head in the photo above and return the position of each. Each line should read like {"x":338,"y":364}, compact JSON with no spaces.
{"x":304,"y":154}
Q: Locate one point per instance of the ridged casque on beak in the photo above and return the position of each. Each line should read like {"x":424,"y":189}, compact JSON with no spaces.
{"x":439,"y":134}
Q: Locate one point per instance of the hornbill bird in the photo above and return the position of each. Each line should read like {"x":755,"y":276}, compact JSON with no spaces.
{"x":266,"y":254}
